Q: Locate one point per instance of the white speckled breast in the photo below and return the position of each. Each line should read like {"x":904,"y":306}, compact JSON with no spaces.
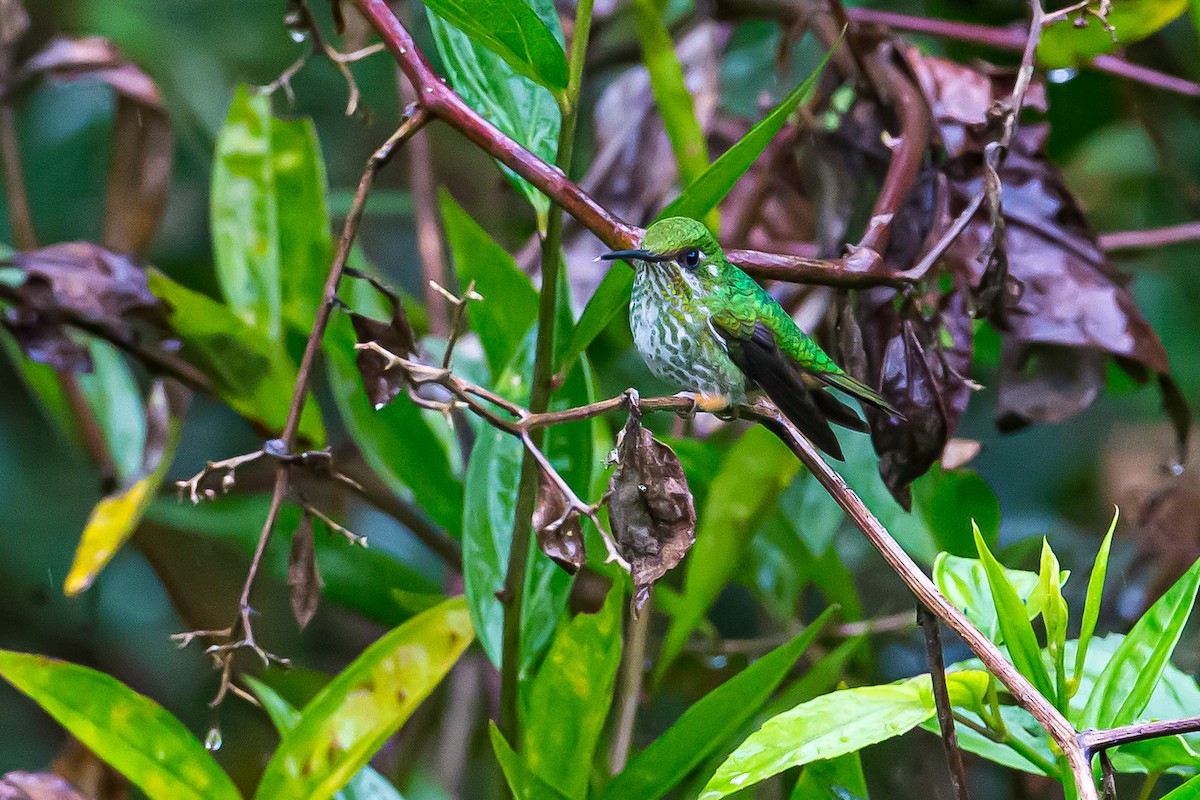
{"x":672,"y":333}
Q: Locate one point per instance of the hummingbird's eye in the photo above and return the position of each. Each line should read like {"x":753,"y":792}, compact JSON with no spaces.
{"x":691,"y":259}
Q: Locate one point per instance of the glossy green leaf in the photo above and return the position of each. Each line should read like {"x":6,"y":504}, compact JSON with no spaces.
{"x":1064,"y":45}
{"x":114,"y":519}
{"x":512,"y":30}
{"x":697,"y":199}
{"x":949,"y":500}
{"x":366,"y":785}
{"x":753,"y":473}
{"x":820,"y":678}
{"x":1188,"y":791}
{"x":404,"y":445}
{"x":522,"y":781}
{"x":366,"y":703}
{"x":567,"y":702}
{"x":250,"y":373}
{"x":509,"y":305}
{"x":964,"y":583}
{"x":133,"y":734}
{"x":525,"y":111}
{"x":1133,"y":672}
{"x":1054,"y":615}
{"x":493,"y":475}
{"x":709,"y":722}
{"x":365,"y":581}
{"x":305,"y":239}
{"x":1029,"y":752}
{"x":115,"y":398}
{"x":832,"y":779}
{"x":833,"y":725}
{"x":1013,"y":620}
{"x":1095,"y":594}
{"x":244,"y":214}
{"x":675,"y":103}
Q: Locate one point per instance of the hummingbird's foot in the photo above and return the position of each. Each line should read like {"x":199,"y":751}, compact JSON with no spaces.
{"x":711,"y":402}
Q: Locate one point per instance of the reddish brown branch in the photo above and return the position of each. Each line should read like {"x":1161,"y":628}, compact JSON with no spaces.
{"x":1151,"y":238}
{"x":1096,"y":741}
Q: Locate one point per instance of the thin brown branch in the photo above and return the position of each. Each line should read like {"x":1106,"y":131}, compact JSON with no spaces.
{"x":629,"y":692}
{"x":1096,"y":741}
{"x":941,"y":696}
{"x":1151,"y":238}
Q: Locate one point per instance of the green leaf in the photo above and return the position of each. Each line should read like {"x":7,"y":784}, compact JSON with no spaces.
{"x":253,"y":375}
{"x":525,"y":111}
{"x":509,"y":306}
{"x":1133,"y":672}
{"x":567,"y":702}
{"x":114,"y":519}
{"x":365,"y":704}
{"x":697,"y":199}
{"x":1188,"y":791}
{"x":1064,"y":45}
{"x":675,"y":103}
{"x":404,"y":445}
{"x":366,"y":785}
{"x":522,"y":781}
{"x":305,"y":240}
{"x":1014,"y":621}
{"x":130,"y":732}
{"x":244,"y":214}
{"x":1055,"y":616}
{"x":709,"y":722}
{"x":43,"y":385}
{"x":1095,"y":593}
{"x":115,"y":398}
{"x":832,"y":779}
{"x":753,"y":474}
{"x":512,"y":30}
{"x":833,"y":725}
{"x":365,"y":581}
{"x":493,"y":475}
{"x":949,"y":500}
{"x":964,"y":583}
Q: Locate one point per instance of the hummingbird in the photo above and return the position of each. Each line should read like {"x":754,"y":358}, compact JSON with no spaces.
{"x":706,"y":327}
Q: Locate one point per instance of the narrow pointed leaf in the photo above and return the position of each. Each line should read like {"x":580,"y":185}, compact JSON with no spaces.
{"x":708,"y":723}
{"x":522,"y":781}
{"x":1054,"y":615}
{"x":840,"y":777}
{"x":1013,"y":621}
{"x":512,"y":30}
{"x":1133,"y":672}
{"x":1095,"y":594}
{"x":351,"y":718}
{"x":130,"y":732}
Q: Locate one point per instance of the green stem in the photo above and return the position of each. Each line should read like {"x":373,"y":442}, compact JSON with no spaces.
{"x":1148,"y":785}
{"x":539,"y":397}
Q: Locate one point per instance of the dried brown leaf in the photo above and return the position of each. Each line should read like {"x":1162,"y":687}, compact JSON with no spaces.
{"x":558,"y":529}
{"x":36,"y":786}
{"x":382,"y":383}
{"x":303,"y":579}
{"x":650,"y":508}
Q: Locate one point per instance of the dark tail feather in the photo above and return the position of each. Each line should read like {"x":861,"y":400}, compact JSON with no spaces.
{"x":838,"y":412}
{"x":798,"y":405}
{"x":858,"y":390}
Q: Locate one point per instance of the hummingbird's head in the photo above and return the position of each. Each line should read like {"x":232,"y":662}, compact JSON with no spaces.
{"x":680,"y":243}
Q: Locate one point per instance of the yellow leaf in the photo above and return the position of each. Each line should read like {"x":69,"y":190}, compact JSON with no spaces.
{"x":112,"y":522}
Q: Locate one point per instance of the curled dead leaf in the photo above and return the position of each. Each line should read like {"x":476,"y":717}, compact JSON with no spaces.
{"x":650,"y":507}
{"x":558,"y":528}
{"x":382,"y":383}
{"x":304,"y":582}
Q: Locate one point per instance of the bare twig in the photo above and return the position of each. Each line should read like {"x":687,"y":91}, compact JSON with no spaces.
{"x":1097,"y":741}
{"x":941,"y":697}
{"x":1108,"y":776}
{"x":629,"y":693}
{"x":1151,"y":238}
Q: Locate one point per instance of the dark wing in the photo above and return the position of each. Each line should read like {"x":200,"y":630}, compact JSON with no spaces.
{"x":756,"y":354}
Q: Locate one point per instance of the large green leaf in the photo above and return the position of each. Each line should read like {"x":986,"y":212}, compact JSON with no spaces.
{"x":493,"y":475}
{"x":401,"y":443}
{"x":567,"y":702}
{"x":1188,"y":791}
{"x":512,"y":30}
{"x":1124,"y":688}
{"x":833,"y":779}
{"x":366,"y":581}
{"x":509,"y":305}
{"x":949,"y":500}
{"x":249,"y":372}
{"x":351,"y":718}
{"x":1064,"y":45}
{"x":753,"y":473}
{"x":116,"y":400}
{"x":964,"y":583}
{"x":697,"y":199}
{"x":366,"y":785}
{"x":132,"y":733}
{"x":244,"y":215}
{"x":709,"y":722}
{"x":525,"y":111}
{"x":523,"y":782}
{"x":833,"y":725}
{"x":1013,"y":620}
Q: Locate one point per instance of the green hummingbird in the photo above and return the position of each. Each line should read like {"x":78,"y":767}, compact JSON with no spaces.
{"x":703,"y":325}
